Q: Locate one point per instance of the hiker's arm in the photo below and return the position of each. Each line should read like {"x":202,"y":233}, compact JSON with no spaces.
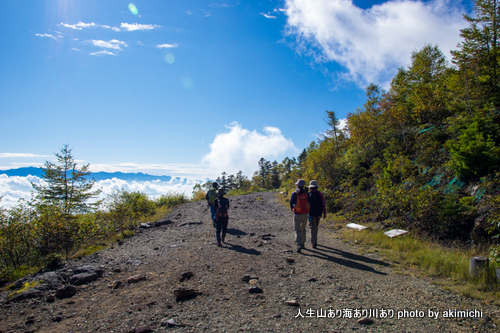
{"x":323,"y":203}
{"x":293,"y":200}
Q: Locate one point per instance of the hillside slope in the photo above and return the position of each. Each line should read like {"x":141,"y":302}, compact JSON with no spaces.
{"x":297,"y":289}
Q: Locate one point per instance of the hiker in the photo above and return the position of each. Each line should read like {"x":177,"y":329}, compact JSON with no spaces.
{"x":211,"y":196}
{"x":221,"y":206}
{"x":300,"y":207}
{"x":317,"y":208}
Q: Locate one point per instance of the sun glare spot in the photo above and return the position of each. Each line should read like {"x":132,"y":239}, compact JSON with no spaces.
{"x":187,"y":82}
{"x":169,"y":58}
{"x":133,"y":9}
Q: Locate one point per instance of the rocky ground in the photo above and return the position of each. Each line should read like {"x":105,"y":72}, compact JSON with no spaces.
{"x":254,"y":283}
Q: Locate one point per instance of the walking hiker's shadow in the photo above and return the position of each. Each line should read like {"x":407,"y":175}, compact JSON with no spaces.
{"x":344,"y":262}
{"x":242,"y":249}
{"x":353,"y":256}
{"x":236,"y":232}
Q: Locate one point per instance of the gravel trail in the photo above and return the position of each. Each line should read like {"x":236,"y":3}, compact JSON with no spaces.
{"x":253,"y":283}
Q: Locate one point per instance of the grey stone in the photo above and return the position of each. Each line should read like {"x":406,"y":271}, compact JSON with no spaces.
{"x":66,"y":292}
{"x":136,"y":278}
{"x":255,"y":290}
{"x":49,"y":281}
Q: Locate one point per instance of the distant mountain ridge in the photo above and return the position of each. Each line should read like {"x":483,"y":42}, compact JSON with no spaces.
{"x":101,"y":175}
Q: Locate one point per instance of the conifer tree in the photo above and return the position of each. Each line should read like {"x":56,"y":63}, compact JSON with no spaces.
{"x":68,"y":186}
{"x":477,"y":57}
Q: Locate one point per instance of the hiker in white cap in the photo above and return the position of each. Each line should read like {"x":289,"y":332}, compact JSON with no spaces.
{"x":300,"y":207}
{"x":317,"y":208}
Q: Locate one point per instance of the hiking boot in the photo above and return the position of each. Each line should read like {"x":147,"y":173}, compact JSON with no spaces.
{"x":223,"y":240}
{"x":219,"y":244}
{"x":299,"y":249}
{"x":314,"y":246}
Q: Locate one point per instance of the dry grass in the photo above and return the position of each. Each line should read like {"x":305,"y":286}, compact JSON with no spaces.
{"x":447,"y":267}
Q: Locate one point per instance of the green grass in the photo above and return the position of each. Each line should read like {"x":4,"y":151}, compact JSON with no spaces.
{"x":448,"y":267}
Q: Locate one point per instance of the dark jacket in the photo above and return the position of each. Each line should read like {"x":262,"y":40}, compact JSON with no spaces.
{"x":311,"y":198}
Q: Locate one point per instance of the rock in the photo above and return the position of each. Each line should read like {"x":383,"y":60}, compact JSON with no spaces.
{"x":145,"y":225}
{"x":83,"y":278}
{"x":292,"y":302}
{"x":66,"y":292}
{"x":181,"y":292}
{"x":365,"y":321}
{"x":171,"y":323}
{"x":23,"y":294}
{"x":255,"y":290}
{"x":136,"y":278}
{"x":85,"y":274}
{"x":162,"y":222}
{"x":50,"y":299}
{"x":117,"y":284}
{"x":312,"y":280}
{"x":290,"y":260}
{"x":253,"y":281}
{"x":49,"y":281}
{"x":246,"y":278}
{"x":186,"y":276}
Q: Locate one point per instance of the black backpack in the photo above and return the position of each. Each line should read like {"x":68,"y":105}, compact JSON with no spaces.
{"x":222,"y":207}
{"x":316,"y":204}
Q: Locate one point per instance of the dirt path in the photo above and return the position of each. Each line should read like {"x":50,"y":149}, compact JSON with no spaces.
{"x":327,"y":289}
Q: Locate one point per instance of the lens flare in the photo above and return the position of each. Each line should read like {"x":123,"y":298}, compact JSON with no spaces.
{"x":187,"y":82}
{"x":169,"y":58}
{"x":133,"y":9}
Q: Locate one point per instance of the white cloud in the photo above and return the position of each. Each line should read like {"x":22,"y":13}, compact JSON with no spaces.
{"x":112,"y":44}
{"x":99,"y":53}
{"x":371,"y":44}
{"x":241,"y":149}
{"x":49,"y":36}
{"x":17,"y":155}
{"x":153,"y":189}
{"x":137,"y":26}
{"x":14,"y":188}
{"x":79,"y":26}
{"x":268,"y":16}
{"x":166,"y":46}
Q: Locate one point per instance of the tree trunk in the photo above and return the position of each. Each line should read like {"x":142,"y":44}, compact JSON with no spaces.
{"x":478,"y":265}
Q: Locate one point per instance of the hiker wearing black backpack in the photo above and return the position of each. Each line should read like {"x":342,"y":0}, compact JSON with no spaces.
{"x":211,"y":196}
{"x":221,"y":206}
{"x":300,"y":207}
{"x":317,"y":208}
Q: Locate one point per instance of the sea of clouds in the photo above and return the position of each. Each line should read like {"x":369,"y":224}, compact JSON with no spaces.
{"x":14,"y":188}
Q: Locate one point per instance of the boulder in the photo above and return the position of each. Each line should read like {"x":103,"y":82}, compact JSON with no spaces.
{"x":85,"y":274}
{"x":49,"y":281}
{"x":182,"y":293}
{"x":66,"y":292}
{"x":255,"y":290}
{"x":25,"y":293}
{"x":162,"y":222}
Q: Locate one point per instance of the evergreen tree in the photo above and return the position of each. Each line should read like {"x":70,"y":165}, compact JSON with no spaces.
{"x":334,"y":123}
{"x":477,"y":57}
{"x":68,"y":186}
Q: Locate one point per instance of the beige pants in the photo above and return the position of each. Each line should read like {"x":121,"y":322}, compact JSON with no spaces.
{"x":300,"y":221}
{"x":313,"y":225}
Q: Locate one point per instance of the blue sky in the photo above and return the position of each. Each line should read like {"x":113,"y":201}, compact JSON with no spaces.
{"x":194,"y":88}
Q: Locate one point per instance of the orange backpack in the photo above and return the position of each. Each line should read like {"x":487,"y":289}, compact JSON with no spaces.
{"x":302,"y":206}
